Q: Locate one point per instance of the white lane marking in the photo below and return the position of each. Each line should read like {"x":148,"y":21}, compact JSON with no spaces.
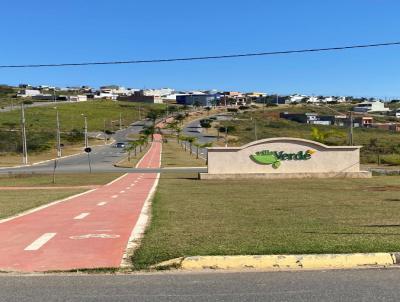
{"x":114,"y":196}
{"x":38,"y":243}
{"x":102,"y":203}
{"x":81,"y":215}
{"x":122,"y":191}
{"x":115,"y":180}
{"x":87,"y":236}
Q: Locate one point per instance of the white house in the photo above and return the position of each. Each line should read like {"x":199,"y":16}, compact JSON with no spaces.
{"x":370,"y":106}
{"x":296,"y":98}
{"x":77,"y":98}
{"x":26,"y":93}
{"x":163,"y":92}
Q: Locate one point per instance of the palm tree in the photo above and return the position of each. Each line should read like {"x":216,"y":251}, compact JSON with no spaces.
{"x":131,"y":146}
{"x":149,"y":131}
{"x":206,"y":145}
{"x":191,"y":140}
{"x":322,"y":136}
{"x":183,"y":139}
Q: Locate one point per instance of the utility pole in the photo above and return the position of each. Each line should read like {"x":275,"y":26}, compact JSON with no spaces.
{"x":255,"y":129}
{"x":86,"y":132}
{"x":105,"y":135}
{"x":120,"y":121}
{"x":140,"y":115}
{"x":226,"y":136}
{"x":351,"y":128}
{"x":24,"y":145}
{"x":58,"y":135}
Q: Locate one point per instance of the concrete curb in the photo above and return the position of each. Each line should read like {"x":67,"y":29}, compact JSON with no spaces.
{"x":268,"y":262}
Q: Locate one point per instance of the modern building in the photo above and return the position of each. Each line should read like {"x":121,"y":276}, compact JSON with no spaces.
{"x":370,"y":106}
{"x":49,"y":97}
{"x":140,"y":97}
{"x":77,"y":98}
{"x":204,"y":100}
{"x":338,"y":120}
{"x":26,"y":93}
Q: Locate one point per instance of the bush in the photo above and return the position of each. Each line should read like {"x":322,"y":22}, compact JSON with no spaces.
{"x":232,"y":110}
{"x":228,"y":129}
{"x":391,"y":159}
{"x":27,"y":102}
{"x":74,"y":136}
{"x":244,"y":107}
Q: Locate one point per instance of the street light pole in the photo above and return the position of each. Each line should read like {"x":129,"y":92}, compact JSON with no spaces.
{"x":120,"y":121}
{"x":105,"y":135}
{"x":86,"y":132}
{"x":58,"y":135}
{"x":24,"y":144}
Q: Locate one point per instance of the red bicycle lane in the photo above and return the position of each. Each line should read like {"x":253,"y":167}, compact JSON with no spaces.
{"x":90,"y":230}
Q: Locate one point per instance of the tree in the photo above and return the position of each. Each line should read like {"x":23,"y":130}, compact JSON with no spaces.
{"x":154,"y":114}
{"x":206,"y":145}
{"x":149,"y":131}
{"x":206,"y":124}
{"x":184,"y":140}
{"x":130,"y":147}
{"x":180,"y":117}
{"x":191,"y":140}
{"x":208,"y":109}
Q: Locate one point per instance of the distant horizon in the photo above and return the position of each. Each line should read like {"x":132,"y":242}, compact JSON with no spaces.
{"x":384,"y":98}
{"x":55,"y":32}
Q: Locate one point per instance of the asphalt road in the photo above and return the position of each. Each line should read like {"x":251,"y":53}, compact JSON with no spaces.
{"x":101,"y":159}
{"x":339,"y":285}
{"x":194,"y":129}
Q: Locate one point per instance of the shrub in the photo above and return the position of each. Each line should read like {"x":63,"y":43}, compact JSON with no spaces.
{"x":391,"y":159}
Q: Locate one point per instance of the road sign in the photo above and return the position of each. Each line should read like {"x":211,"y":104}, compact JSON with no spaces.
{"x":88,"y":149}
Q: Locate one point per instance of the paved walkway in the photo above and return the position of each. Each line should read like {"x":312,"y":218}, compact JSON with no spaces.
{"x":88,"y":231}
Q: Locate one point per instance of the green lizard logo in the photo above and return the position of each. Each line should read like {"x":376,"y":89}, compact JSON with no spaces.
{"x":274,"y":158}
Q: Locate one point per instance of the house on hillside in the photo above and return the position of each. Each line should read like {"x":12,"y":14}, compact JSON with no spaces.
{"x":77,"y":98}
{"x":370,"y":106}
{"x":141,"y":97}
{"x":204,"y":100}
{"x":26,"y":93}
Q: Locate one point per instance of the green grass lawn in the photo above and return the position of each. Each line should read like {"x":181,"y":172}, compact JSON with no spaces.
{"x":14,"y":202}
{"x":44,"y":118}
{"x":173,"y":155}
{"x":192,"y":217}
{"x":26,"y":180}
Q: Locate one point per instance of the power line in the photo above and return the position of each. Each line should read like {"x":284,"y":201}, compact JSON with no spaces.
{"x":217,"y":57}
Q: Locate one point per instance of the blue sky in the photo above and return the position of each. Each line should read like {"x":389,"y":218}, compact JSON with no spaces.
{"x":45,"y":31}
